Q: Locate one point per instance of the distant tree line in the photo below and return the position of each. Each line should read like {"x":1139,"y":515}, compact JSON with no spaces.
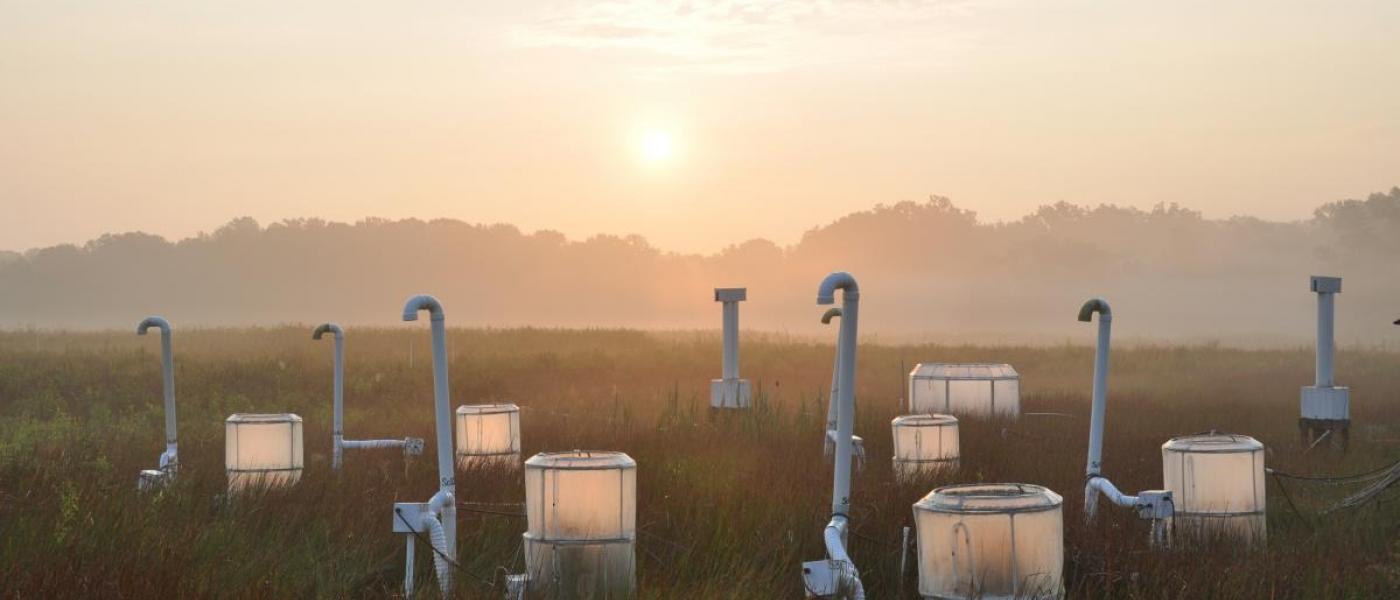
{"x":926,"y":269}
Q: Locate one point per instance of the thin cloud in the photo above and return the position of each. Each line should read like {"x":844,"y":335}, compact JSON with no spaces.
{"x":745,"y":37}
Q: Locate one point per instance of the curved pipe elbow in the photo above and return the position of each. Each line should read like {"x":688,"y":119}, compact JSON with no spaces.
{"x":422,"y":302}
{"x":830,"y":314}
{"x":826,"y":292}
{"x":1095,"y":305}
{"x":330,"y":328}
{"x":157,"y":322}
{"x":1110,"y":491}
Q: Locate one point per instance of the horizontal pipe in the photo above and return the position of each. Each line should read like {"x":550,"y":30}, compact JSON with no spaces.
{"x":373,"y":443}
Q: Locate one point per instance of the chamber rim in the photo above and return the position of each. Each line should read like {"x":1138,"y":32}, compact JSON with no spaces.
{"x":934,"y":366}
{"x":1213,"y":443}
{"x":924,"y":420}
{"x":947,"y":499}
{"x":258,"y":418}
{"x":488,"y":409}
{"x":587,"y":460}
{"x":579,"y":541}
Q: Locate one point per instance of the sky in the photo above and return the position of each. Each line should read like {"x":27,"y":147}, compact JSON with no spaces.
{"x":695,"y":124}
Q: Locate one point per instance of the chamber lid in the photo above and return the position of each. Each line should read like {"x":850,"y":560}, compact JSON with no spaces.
{"x":263,"y":418}
{"x":928,"y":420}
{"x":582,"y":460}
{"x":487,"y":409}
{"x":990,"y":498}
{"x":1213,"y":442}
{"x":964,"y":371}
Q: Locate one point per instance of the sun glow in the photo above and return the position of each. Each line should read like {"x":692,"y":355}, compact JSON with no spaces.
{"x":656,"y":146}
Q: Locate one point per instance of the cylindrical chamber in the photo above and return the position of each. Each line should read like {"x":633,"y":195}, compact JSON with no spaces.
{"x":991,"y":542}
{"x":581,"y":512}
{"x":262,"y":450}
{"x":924,"y":443}
{"x":488,"y":435}
{"x":1217,"y":486}
{"x":970,"y":390}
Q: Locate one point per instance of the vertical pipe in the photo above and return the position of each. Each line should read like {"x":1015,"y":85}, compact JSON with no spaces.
{"x":408,"y":568}
{"x":338,"y":393}
{"x":835,"y":385}
{"x":731,"y":340}
{"x":169,"y":460}
{"x":1099,"y":405}
{"x":167,"y":368}
{"x":338,"y":431}
{"x":845,"y":409}
{"x":835,"y":373}
{"x":446,"y":470}
{"x":444,"y":502}
{"x":1100,"y":399}
{"x":1325,"y":339}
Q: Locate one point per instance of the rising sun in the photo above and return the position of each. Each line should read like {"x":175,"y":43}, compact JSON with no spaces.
{"x":656,"y":146}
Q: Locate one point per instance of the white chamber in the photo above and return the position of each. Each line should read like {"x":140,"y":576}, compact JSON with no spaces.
{"x":974,"y":390}
{"x":994,"y":541}
{"x":1217,"y":486}
{"x":924,"y":444}
{"x":262,"y":450}
{"x":581,"y":508}
{"x":488,"y":435}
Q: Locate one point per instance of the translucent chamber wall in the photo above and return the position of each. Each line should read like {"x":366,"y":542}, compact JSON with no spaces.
{"x":262,"y":450}
{"x":990,"y":541}
{"x":975,"y":390}
{"x":924,"y":443}
{"x":487,"y":435}
{"x":1217,"y":486}
{"x":581,"y":509}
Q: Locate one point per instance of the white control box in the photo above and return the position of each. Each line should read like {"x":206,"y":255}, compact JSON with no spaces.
{"x":1326,"y":403}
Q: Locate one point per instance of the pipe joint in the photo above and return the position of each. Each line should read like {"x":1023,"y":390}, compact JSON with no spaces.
{"x":826,"y":292}
{"x":423,"y":302}
{"x":831,"y":313}
{"x":153,"y":321}
{"x":330,"y":328}
{"x":1095,"y":305}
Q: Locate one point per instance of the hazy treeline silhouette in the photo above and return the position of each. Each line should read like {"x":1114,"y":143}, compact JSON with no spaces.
{"x":926,"y":269}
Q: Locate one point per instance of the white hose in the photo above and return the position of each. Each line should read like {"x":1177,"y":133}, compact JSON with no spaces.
{"x":439,"y":538}
{"x":836,"y":550}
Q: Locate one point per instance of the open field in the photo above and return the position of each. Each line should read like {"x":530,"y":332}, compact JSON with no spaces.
{"x":727,"y":508}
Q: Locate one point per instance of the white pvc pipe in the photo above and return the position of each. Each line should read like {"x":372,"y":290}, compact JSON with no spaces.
{"x":845,"y":416}
{"x":1109,"y":490}
{"x":408,"y":567}
{"x":338,"y":441}
{"x":829,"y":446}
{"x":338,"y":404}
{"x":169,"y":460}
{"x":1099,"y":406}
{"x":443,"y":506}
{"x":437,"y":534}
{"x":1326,"y":343}
{"x":834,"y":536}
{"x":730,"y":367}
{"x":1100,"y":399}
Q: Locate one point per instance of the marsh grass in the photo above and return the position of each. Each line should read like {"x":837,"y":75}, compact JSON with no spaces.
{"x":729,"y":503}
